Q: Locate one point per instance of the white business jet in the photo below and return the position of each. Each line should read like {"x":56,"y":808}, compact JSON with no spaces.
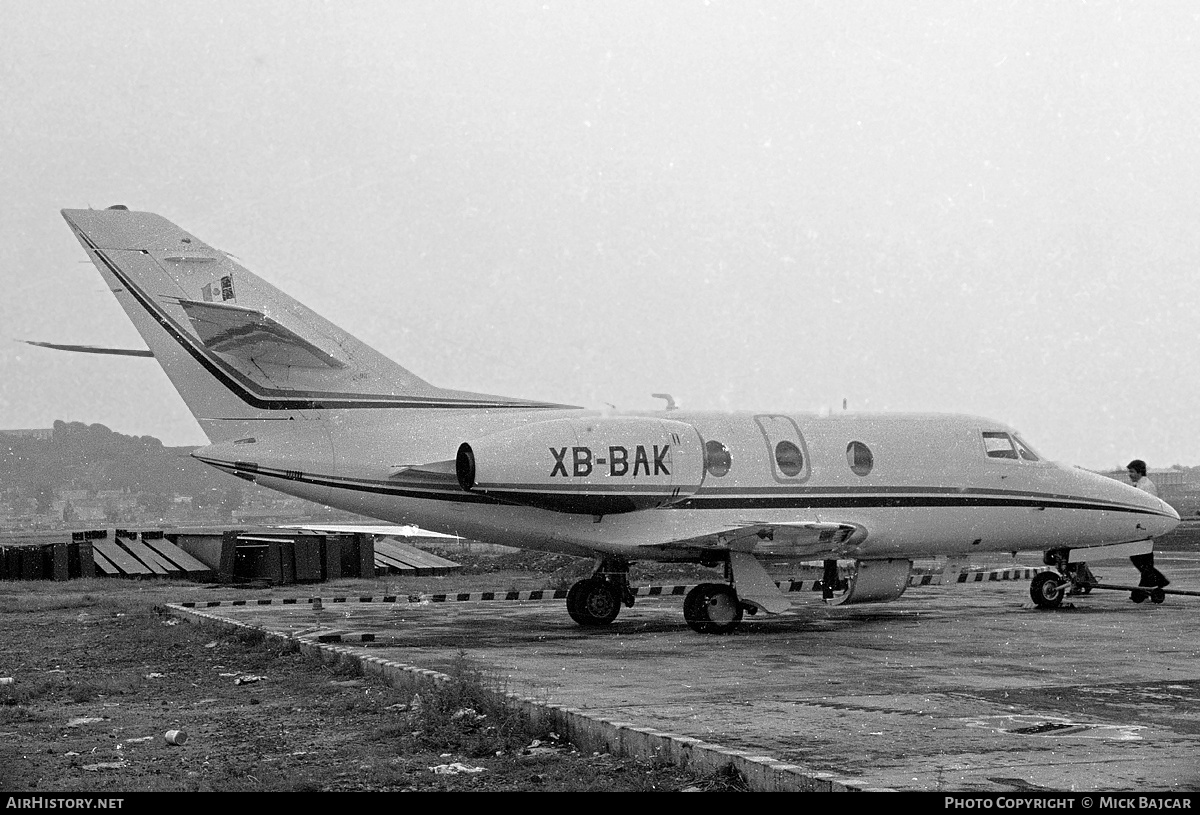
{"x":294,"y":403}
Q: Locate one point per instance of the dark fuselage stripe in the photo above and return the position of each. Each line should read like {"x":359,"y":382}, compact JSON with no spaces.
{"x":897,"y":500}
{"x":891,"y":501}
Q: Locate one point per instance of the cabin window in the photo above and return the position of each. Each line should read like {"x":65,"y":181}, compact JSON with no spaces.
{"x":859,"y":457}
{"x":789,"y":458}
{"x":999,"y":445}
{"x":716,"y":458}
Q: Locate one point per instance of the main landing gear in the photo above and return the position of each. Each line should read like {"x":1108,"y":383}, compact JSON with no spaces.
{"x":717,"y":608}
{"x":710,"y":608}
{"x":713,"y":608}
{"x":1049,"y":588}
{"x":597,"y":600}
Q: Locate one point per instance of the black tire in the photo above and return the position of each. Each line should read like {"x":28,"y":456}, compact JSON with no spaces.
{"x":712,"y":608}
{"x":1139,"y":596}
{"x":692,"y":603}
{"x":593,"y":603}
{"x":1157,"y":596}
{"x":1047,"y":590}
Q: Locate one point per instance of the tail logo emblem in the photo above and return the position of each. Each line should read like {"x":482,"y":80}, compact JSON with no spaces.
{"x":220,"y":291}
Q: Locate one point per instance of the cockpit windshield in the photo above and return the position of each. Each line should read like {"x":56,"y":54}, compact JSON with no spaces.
{"x":1025,"y":450}
{"x":999,"y":444}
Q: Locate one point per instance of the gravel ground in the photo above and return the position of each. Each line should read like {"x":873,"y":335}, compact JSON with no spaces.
{"x":101,"y":674}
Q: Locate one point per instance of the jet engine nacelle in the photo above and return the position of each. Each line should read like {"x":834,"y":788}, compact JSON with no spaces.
{"x":874,"y":581}
{"x":599,"y":466}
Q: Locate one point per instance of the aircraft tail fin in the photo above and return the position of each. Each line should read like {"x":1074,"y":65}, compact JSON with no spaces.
{"x":235,"y":347}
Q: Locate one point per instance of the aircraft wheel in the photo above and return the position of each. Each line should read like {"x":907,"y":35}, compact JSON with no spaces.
{"x":1139,"y":596}
{"x":693,"y":612}
{"x":593,"y":603}
{"x":712,"y":608}
{"x":1046,"y":590}
{"x":1158,"y":596}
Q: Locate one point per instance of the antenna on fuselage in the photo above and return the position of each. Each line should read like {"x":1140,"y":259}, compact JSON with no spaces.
{"x":670,"y":400}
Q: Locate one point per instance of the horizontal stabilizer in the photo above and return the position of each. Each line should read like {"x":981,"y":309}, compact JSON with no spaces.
{"x":92,"y":349}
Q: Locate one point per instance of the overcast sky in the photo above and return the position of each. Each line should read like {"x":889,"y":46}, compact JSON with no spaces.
{"x":988,"y":208}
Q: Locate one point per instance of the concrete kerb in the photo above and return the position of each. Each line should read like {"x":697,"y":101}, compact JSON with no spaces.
{"x":586,"y":732}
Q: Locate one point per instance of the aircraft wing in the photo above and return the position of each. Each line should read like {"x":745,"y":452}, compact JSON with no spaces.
{"x":812,"y":539}
{"x":370,"y":529}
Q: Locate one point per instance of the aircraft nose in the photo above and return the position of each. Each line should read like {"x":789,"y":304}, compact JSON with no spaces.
{"x":1167,"y":521}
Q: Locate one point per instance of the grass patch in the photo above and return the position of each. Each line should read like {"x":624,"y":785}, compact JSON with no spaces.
{"x":247,"y":637}
{"x":65,"y":688}
{"x":346,"y":667}
{"x":14,"y":713}
{"x":26,"y":603}
{"x":468,"y":713}
{"x":92,"y":690}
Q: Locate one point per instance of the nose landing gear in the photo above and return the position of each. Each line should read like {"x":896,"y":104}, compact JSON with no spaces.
{"x":1049,"y":588}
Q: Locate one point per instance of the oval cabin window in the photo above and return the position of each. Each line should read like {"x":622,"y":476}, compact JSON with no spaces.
{"x":716,"y":458}
{"x":789,"y":458}
{"x":859,"y":457}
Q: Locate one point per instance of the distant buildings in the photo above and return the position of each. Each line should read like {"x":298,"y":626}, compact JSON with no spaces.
{"x":43,"y":433}
{"x":80,"y":509}
{"x":1179,"y":487}
{"x":1168,"y":478}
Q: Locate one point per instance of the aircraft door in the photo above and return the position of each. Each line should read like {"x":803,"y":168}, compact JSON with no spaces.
{"x":787,"y":453}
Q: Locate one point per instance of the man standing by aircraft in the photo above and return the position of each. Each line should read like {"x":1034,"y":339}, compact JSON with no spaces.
{"x":1137,"y":474}
{"x":1151,"y":577}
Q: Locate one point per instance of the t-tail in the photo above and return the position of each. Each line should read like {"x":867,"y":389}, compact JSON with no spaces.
{"x":237,"y":349}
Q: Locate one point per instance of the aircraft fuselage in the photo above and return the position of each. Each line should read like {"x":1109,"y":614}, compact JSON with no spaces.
{"x":915,"y":484}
